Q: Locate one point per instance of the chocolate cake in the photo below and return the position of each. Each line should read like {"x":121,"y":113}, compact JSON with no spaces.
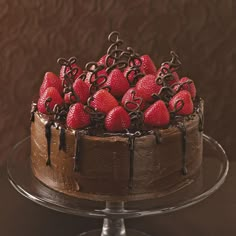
{"x":119,"y":130}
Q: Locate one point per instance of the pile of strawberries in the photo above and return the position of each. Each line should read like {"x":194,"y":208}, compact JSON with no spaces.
{"x":118,"y":96}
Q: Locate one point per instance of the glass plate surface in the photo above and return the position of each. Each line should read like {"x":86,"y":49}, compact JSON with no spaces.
{"x":213,"y":173}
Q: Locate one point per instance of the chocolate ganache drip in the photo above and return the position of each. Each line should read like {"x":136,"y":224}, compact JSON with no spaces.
{"x":201,"y":119}
{"x":62,"y":143}
{"x":131,"y":141}
{"x":48,"y":136}
{"x":78,"y":135}
{"x":77,"y":151}
{"x":200,"y":114}
{"x":157,"y":135}
{"x":182,"y":128}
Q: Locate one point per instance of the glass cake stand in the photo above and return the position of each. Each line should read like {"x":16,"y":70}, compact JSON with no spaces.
{"x":213,"y":173}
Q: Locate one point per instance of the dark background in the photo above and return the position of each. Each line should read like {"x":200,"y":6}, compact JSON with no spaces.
{"x":33,"y":34}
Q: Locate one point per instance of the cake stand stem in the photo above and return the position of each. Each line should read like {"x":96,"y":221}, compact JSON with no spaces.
{"x":114,"y":226}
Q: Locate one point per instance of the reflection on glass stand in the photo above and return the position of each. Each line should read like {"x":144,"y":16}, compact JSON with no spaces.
{"x":213,"y":173}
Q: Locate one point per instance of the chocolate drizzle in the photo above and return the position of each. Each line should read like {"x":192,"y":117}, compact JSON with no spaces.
{"x":131,"y":141}
{"x":157,"y":135}
{"x":182,"y":128}
{"x":62,"y":144}
{"x":201,"y":119}
{"x":48,"y":137}
{"x":78,"y":135}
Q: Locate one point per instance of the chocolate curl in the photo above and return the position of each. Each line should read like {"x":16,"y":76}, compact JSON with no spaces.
{"x":97,"y":82}
{"x":83,"y":76}
{"x":135,"y":64}
{"x":115,"y":54}
{"x":167,"y":68}
{"x":97,"y":118}
{"x":181,"y":84}
{"x":69,"y":77}
{"x":136,"y":115}
{"x":165,"y":94}
{"x":164,"y":76}
{"x":137,"y":101}
{"x":175,"y":62}
{"x":72,"y":71}
{"x":58,"y":112}
{"x":173,"y":113}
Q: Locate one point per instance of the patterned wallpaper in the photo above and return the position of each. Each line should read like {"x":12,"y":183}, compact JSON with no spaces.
{"x":33,"y":34}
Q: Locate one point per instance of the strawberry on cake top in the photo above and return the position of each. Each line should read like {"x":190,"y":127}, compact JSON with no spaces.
{"x":119,"y":86}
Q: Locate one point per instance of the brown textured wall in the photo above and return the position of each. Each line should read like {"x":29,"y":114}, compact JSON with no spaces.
{"x":33,"y":34}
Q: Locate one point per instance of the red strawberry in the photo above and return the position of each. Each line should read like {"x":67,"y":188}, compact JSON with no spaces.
{"x":52,"y":93}
{"x":148,"y":66}
{"x":157,"y":114}
{"x":130,"y":76}
{"x":117,"y":119}
{"x":103,"y":101}
{"x":146,"y":87}
{"x":130,"y":99}
{"x":51,"y":80}
{"x":186,"y":84}
{"x":63,"y":71}
{"x":91,"y":78}
{"x":182,"y":103}
{"x":117,"y":82}
{"x":102,"y":61}
{"x":174,"y":73}
{"x":69,"y":98}
{"x":81,"y":90}
{"x":77,"y":118}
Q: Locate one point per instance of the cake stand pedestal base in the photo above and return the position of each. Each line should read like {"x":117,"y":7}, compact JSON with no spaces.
{"x":114,"y":226}
{"x":129,"y":232}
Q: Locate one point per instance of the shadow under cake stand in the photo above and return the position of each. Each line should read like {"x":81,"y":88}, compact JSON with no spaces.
{"x":213,"y":173}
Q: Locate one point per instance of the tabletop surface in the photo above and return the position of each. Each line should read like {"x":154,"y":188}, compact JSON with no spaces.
{"x":214,"y":216}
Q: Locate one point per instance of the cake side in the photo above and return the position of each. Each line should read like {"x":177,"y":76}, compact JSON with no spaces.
{"x":104,"y":166}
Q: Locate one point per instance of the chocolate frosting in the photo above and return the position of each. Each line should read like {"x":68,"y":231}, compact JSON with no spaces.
{"x":119,"y":166}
